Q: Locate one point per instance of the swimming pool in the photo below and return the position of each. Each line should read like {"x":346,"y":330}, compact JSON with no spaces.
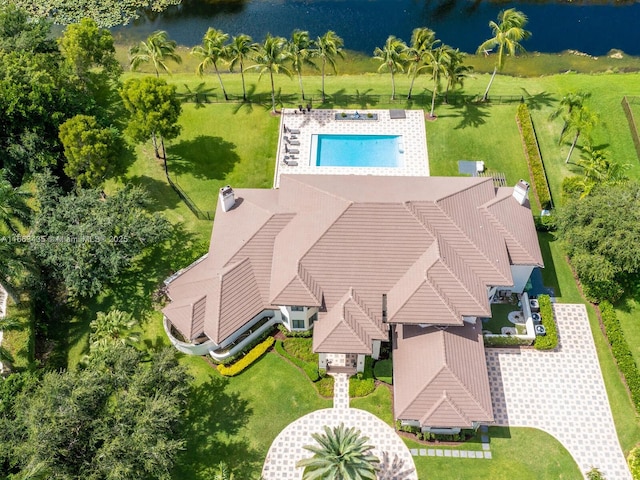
{"x":357,"y":150}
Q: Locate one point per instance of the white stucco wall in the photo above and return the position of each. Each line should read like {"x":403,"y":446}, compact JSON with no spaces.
{"x":520,"y":274}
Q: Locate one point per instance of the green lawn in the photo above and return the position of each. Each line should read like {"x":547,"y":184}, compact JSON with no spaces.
{"x":19,"y":342}
{"x":517,"y":453}
{"x":499,"y":317}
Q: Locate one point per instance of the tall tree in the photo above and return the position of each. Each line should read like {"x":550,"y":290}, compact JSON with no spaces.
{"x":392,"y":58}
{"x":154,"y":109}
{"x":581,"y":121}
{"x":437,"y":67}
{"x":340,"y":453}
{"x":239,"y":51}
{"x":157,"y":49}
{"x":508,"y":32}
{"x":15,"y":213}
{"x":271,"y":57}
{"x":301,"y":48}
{"x":19,"y":32}
{"x":212,"y":51}
{"x":91,"y":240}
{"x":455,"y":71}
{"x":111,"y":329}
{"x":565,"y":107}
{"x":327,"y":48}
{"x":90,"y":149}
{"x":423,"y":41}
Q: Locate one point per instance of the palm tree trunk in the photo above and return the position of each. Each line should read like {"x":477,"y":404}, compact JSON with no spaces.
{"x":413,"y":79}
{"x":564,"y":129}
{"x":244,"y":90}
{"x":323,"y":65}
{"x":300,"y":82}
{"x":446,"y":93}
{"x":224,"y":92}
{"x":486,"y":92}
{"x":393,"y":87}
{"x":573,"y":145}
{"x":273,"y":93}
{"x":433,"y":99}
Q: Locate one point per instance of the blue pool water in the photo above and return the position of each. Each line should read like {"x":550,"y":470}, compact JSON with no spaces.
{"x":357,"y":150}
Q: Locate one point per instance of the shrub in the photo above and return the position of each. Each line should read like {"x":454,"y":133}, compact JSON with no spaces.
{"x":595,"y":474}
{"x":253,"y":355}
{"x":504,"y":341}
{"x":301,"y":348}
{"x":634,"y":462}
{"x":621,"y":351}
{"x":363,"y":384}
{"x":311,"y":369}
{"x":532,"y":151}
{"x":325,"y":386}
{"x":297,"y":333}
{"x":383,"y":371}
{"x":550,"y":340}
{"x":253,"y":343}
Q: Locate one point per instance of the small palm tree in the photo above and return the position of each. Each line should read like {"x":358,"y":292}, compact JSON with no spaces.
{"x":437,"y":67}
{"x":392,"y":58}
{"x":212,"y":50}
{"x":157,"y":49}
{"x":239,"y":51}
{"x":455,"y":71}
{"x":565,"y":107}
{"x":327,"y":48}
{"x":341,"y":454}
{"x":271,"y":57}
{"x":14,"y":211}
{"x":580,"y":121}
{"x":301,"y":48}
{"x":112,"y":328}
{"x":507,"y":35}
{"x":423,"y":41}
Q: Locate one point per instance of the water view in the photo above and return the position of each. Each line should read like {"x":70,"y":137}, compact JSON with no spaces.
{"x":365,"y":24}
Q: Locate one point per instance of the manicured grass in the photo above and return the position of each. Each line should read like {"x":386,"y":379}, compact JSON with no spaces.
{"x":379,"y":403}
{"x":499,"y":317}
{"x":516,"y":453}
{"x":19,"y":343}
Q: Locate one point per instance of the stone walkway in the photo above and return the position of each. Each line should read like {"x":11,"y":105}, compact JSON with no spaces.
{"x":286,"y":449}
{"x":561,"y":392}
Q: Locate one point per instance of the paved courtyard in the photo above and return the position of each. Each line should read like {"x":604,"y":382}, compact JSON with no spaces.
{"x":286,"y":449}
{"x":561,"y":392}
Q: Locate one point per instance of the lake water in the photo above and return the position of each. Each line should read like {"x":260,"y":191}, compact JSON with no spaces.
{"x":365,"y":24}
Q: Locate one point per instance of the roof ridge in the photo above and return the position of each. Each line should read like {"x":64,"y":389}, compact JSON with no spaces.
{"x":360,"y":304}
{"x":481,"y":180}
{"x":304,"y":283}
{"x":445,"y":299}
{"x":464,"y":387}
{"x":320,"y":237}
{"x":424,"y":387}
{"x":255,"y":234}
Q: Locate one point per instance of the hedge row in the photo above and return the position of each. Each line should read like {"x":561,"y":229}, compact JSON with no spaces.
{"x":533,"y":156}
{"x":504,"y":341}
{"x":309,"y":368}
{"x":249,"y":346}
{"x":296,"y":333}
{"x":621,"y":351}
{"x":550,"y":340}
{"x":251,"y":356}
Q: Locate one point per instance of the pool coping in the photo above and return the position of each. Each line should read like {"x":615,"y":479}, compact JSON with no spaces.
{"x":322,"y":121}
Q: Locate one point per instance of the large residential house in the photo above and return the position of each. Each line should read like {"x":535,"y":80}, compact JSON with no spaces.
{"x":362,"y":260}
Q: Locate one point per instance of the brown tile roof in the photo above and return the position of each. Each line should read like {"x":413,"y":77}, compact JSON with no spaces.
{"x":440,"y":376}
{"x":433,"y":245}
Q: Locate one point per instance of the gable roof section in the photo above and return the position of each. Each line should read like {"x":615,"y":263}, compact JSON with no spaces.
{"x":440,"y":376}
{"x":348,"y":328}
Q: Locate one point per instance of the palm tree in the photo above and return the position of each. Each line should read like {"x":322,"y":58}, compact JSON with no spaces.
{"x":567,"y":104}
{"x":112,"y":328}
{"x":437,"y":66}
{"x":271,"y":57}
{"x":301,"y":48}
{"x":392,"y":57}
{"x":14,"y":211}
{"x":341,"y":454}
{"x":507,"y":35}
{"x":598,"y":168}
{"x":327,"y":47}
{"x":423,"y":41}
{"x":211,"y":51}
{"x":157,"y":49}
{"x":581,"y":120}
{"x":240,"y":50}
{"x":222,"y":472}
{"x":455,"y":71}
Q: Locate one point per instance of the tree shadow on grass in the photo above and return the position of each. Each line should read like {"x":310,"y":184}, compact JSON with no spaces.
{"x":549,"y":276}
{"x":203,"y":157}
{"x":473,"y":115}
{"x":539,"y":100}
{"x":212,"y":422}
{"x":162,"y":195}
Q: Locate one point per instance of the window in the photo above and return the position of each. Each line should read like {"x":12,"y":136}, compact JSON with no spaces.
{"x":313,"y":318}
{"x":298,"y":323}
{"x":297,"y":309}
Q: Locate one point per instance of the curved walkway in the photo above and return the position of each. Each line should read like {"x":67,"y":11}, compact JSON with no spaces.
{"x":561,"y":392}
{"x":286,"y":449}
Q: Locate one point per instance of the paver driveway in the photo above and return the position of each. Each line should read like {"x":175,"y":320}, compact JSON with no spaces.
{"x":561,"y":392}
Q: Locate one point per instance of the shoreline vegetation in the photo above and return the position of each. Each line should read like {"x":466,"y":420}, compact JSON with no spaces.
{"x":529,"y":64}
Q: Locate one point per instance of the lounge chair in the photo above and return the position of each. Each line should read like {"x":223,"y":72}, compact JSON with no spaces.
{"x":291,"y":142}
{"x":289,"y":150}
{"x":291,"y":163}
{"x":293,"y":131}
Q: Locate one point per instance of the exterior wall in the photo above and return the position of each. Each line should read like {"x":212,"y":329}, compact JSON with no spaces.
{"x":322,"y":361}
{"x":520,"y":274}
{"x":441,"y":431}
{"x":188,"y":348}
{"x":292,"y":316}
{"x":376,"y":349}
{"x":360,"y":364}
{"x":410,"y":423}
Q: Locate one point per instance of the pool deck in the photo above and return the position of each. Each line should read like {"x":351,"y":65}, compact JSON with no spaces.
{"x":415,"y":159}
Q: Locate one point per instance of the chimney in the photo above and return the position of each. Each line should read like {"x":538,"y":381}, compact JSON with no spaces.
{"x":521,"y":191}
{"x":227,"y":198}
{"x":384,"y":308}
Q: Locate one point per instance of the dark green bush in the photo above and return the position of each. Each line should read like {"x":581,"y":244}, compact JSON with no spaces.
{"x":541,"y":186}
{"x":621,"y":351}
{"x":550,"y":340}
{"x":311,"y":369}
{"x":383,"y":371}
{"x":297,"y":333}
{"x":504,"y":341}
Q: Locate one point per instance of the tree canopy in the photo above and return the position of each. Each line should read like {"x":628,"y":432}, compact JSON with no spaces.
{"x":89,"y":240}
{"x":600,"y":233}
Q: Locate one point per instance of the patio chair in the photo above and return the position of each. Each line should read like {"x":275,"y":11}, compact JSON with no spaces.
{"x":291,"y":163}
{"x":293,"y":131}
{"x":291,"y":142}
{"x":290,"y":150}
